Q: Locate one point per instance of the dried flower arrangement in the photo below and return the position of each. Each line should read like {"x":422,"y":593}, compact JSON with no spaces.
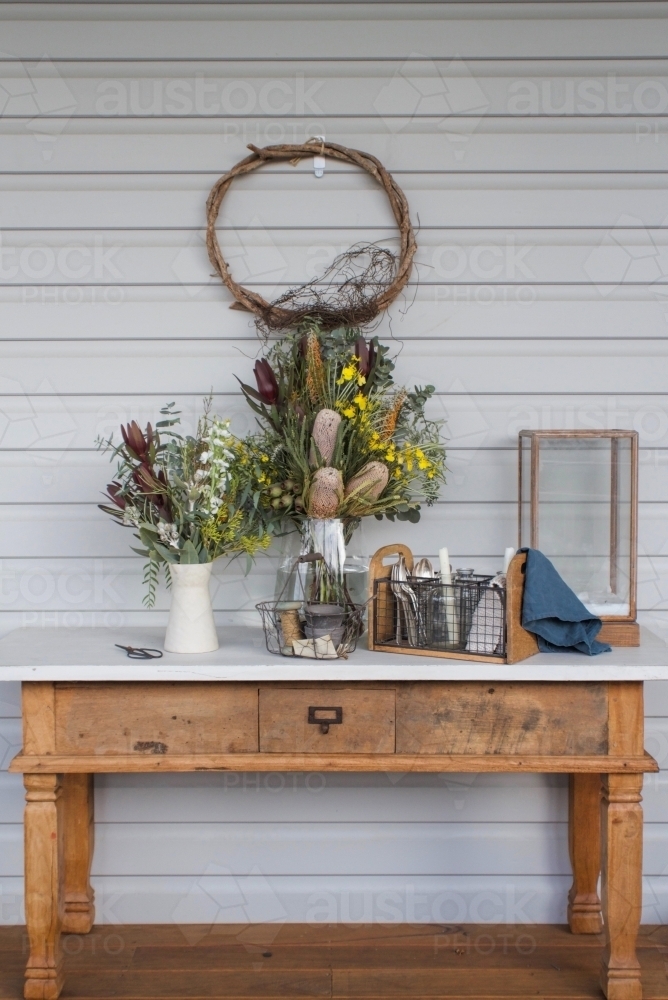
{"x":191,"y":499}
{"x":342,"y":440}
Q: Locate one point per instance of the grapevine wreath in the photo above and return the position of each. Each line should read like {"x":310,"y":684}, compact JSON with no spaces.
{"x":357,"y":286}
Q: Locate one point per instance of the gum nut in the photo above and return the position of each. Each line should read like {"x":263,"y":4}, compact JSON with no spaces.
{"x":286,"y":500}
{"x":276,"y":491}
{"x":276,"y":503}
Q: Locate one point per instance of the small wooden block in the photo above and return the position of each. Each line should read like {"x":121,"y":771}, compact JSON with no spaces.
{"x":620,"y":633}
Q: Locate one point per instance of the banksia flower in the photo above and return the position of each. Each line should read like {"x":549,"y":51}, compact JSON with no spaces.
{"x":326,"y":493}
{"x":391,"y":417}
{"x":369,"y":482}
{"x":267,"y":385}
{"x":325,"y":429}
{"x":315,"y":370}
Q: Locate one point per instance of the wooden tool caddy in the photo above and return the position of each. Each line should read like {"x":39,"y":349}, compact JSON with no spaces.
{"x":518,"y":644}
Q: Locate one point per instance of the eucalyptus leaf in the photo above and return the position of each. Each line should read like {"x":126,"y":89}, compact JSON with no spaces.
{"x":147,"y":537}
{"x":167,"y":554}
{"x":189,"y":554}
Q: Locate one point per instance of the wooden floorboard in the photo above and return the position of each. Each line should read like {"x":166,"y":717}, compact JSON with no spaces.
{"x":481,"y":962}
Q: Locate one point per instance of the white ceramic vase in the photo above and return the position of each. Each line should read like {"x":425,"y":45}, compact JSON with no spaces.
{"x":191,"y":628}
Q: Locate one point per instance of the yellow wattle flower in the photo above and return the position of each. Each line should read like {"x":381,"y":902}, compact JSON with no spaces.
{"x":347,"y":375}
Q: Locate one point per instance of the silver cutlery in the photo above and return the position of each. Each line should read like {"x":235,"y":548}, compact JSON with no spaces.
{"x":407,"y":601}
{"x":423,"y":570}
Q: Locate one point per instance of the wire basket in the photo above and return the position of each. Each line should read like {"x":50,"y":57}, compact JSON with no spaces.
{"x":467,"y":615}
{"x":310,"y":627}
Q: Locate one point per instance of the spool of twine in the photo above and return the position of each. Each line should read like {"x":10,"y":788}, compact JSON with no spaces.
{"x":290,"y":626}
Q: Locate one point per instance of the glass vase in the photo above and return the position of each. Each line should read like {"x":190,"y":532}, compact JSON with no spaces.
{"x":325,"y":582}
{"x":347,"y":575}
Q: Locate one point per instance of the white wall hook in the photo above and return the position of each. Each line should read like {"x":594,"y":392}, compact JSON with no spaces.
{"x":319,"y":159}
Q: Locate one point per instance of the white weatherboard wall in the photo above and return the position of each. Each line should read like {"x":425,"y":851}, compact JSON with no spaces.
{"x":531,"y":140}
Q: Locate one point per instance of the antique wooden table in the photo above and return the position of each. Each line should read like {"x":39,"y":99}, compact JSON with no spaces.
{"x":88,"y":709}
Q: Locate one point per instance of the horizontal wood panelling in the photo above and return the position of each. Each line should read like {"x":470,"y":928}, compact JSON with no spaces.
{"x":134,"y":201}
{"x":185,"y":900}
{"x":656,"y":619}
{"x":274,"y":90}
{"x":523,"y":900}
{"x":279,"y":258}
{"x":295,"y":37}
{"x":42,"y":314}
{"x":480,"y":528}
{"x":331,"y":849}
{"x":43,"y":425}
{"x":338,"y":849}
{"x":88,"y":591}
{"x":571,"y":332}
{"x":63,"y":369}
{"x":107,"y":145}
{"x":485,"y":475}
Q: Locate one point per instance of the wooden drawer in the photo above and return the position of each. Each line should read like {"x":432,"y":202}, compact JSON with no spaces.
{"x":366,"y":720}
{"x":485,"y":718}
{"x":156,"y":718}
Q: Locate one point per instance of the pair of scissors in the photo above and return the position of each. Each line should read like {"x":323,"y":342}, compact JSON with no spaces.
{"x":140,"y":653}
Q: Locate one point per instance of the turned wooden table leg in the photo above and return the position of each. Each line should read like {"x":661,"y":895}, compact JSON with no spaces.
{"x":621,"y":828}
{"x":43,"y":885}
{"x":79,"y":911}
{"x":584,"y":844}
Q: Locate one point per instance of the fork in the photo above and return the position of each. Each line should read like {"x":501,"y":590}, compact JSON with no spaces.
{"x":407,"y":602}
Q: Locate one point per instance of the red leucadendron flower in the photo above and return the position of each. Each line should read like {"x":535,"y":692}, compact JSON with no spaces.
{"x":366,"y":354}
{"x":135,"y":440}
{"x":267,"y":385}
{"x":113,"y":492}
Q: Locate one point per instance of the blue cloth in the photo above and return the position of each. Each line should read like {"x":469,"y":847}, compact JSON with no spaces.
{"x":555,"y":615}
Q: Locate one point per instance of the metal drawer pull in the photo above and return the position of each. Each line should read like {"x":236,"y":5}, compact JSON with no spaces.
{"x":335,"y":718}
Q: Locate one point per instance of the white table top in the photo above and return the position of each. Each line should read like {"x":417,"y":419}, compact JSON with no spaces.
{"x":89,"y":654}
